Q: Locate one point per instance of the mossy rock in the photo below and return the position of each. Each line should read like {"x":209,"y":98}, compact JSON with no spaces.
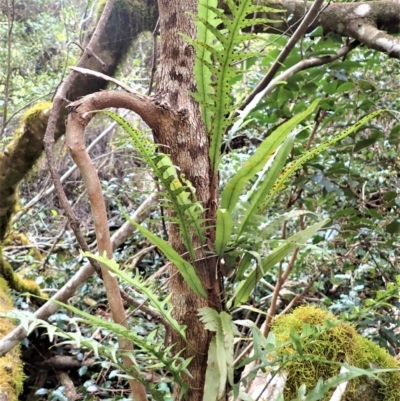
{"x":11,"y":369}
{"x":341,"y":343}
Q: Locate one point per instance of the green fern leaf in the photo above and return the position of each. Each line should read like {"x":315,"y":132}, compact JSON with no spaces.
{"x":223,"y":231}
{"x":256,"y":162}
{"x":187,"y":270}
{"x":264,"y":185}
{"x":244,"y":289}
{"x":145,"y":289}
{"x":180,"y":192}
{"x":220,"y":46}
{"x":291,"y":168}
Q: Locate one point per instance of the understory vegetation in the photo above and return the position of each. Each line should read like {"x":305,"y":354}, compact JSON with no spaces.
{"x":299,"y":229}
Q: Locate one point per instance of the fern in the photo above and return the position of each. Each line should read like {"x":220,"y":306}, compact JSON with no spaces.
{"x":179,"y":191}
{"x":246,"y":286}
{"x":291,"y":168}
{"x":214,"y":80}
{"x":257,"y":161}
{"x":163,"y":356}
{"x":146,"y":290}
{"x":220,"y":353}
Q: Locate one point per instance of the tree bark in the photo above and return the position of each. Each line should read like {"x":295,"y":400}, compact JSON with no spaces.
{"x":182,"y":134}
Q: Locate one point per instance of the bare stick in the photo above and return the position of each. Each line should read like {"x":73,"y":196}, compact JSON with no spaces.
{"x":78,"y":119}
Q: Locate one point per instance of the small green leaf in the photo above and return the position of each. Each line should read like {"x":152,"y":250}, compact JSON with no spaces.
{"x":223,"y":231}
{"x":187,"y":271}
{"x":296,"y":341}
{"x":393,"y":227}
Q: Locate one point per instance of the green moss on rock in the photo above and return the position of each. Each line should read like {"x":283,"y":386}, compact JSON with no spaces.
{"x":340,"y":343}
{"x":11,"y":369}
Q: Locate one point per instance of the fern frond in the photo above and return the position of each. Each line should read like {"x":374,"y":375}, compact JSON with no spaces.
{"x":173,"y":363}
{"x":146,"y":289}
{"x":179,"y":191}
{"x":291,"y":168}
{"x":187,"y":270}
{"x":220,"y":46}
{"x":257,"y":161}
{"x":242,"y":292}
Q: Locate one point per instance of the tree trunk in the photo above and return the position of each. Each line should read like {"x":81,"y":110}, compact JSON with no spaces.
{"x":183,"y":136}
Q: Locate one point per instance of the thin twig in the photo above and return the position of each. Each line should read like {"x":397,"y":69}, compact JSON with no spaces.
{"x":281,"y":279}
{"x":49,"y":139}
{"x":297,"y":35}
{"x":298,"y":297}
{"x":154,"y":58}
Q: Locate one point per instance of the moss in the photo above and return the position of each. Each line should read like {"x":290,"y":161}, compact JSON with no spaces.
{"x":11,"y":369}
{"x":33,"y":112}
{"x":15,"y":281}
{"x":15,"y":238}
{"x":340,"y":343}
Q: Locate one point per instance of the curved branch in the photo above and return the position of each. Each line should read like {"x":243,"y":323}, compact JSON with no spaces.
{"x":309,"y":63}
{"x":140,"y":104}
{"x":77,"y":122}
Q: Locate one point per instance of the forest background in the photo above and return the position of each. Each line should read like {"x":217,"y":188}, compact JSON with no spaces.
{"x":349,"y":267}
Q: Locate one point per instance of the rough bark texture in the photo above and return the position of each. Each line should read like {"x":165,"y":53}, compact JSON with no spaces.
{"x":183,"y":134}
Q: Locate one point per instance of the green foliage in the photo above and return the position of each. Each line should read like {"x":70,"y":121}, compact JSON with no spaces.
{"x":223,"y":231}
{"x":336,"y":342}
{"x":220,"y":353}
{"x":306,"y":156}
{"x":243,"y":290}
{"x":256,"y":162}
{"x":180,"y":192}
{"x":217,"y":57}
{"x":147,"y":290}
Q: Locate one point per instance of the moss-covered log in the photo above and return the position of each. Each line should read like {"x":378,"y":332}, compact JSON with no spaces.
{"x":11,"y":371}
{"x":128,"y":19}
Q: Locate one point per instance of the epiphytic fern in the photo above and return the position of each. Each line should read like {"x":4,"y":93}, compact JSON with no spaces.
{"x":292,"y":167}
{"x":218,"y":59}
{"x":179,"y":191}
